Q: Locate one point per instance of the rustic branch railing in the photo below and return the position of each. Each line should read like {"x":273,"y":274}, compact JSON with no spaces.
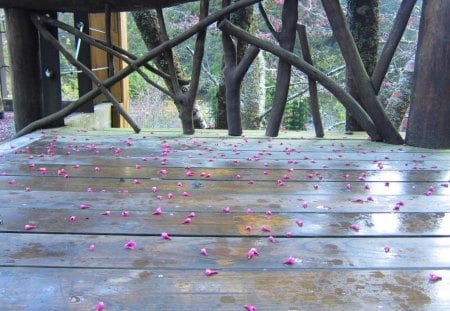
{"x":132,"y":67}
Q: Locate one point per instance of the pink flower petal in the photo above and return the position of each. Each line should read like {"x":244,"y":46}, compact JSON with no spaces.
{"x":434,"y":277}
{"x":130,"y":245}
{"x":269,"y":213}
{"x":191,"y":215}
{"x":100,"y":306}
{"x":73,"y":218}
{"x":290,"y":261}
{"x":92,"y":247}
{"x":106,"y":213}
{"x":30,"y":227}
{"x":204,"y":252}
{"x":250,"y":307}
{"x":387,"y":248}
{"x":158,"y":211}
{"x":265,"y":229}
{"x":299,"y":223}
{"x":125,"y":213}
{"x":252,"y":253}
{"x":226,"y":209}
{"x":355,"y":227}
{"x":271,"y":239}
{"x":209,"y":272}
{"x":85,"y":206}
{"x":165,"y":236}
{"x":187,"y":221}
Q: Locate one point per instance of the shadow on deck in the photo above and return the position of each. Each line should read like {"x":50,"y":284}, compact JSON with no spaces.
{"x":338,"y":223}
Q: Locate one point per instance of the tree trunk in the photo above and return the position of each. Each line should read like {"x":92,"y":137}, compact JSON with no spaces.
{"x":400,"y":99}
{"x":286,"y":39}
{"x":363,"y":21}
{"x":428,"y":124}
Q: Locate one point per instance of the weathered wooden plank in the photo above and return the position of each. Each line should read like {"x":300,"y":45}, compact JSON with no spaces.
{"x":194,"y":187}
{"x":285,"y":203}
{"x":82,"y":289}
{"x":42,"y":250}
{"x":231,"y":173}
{"x":88,"y":5}
{"x":217,"y":223}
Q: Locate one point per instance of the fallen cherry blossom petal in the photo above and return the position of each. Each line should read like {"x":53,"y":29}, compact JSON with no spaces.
{"x":106,"y":213}
{"x":209,"y":272}
{"x":305,"y":204}
{"x":204,"y":252}
{"x":170,"y":196}
{"x":185,"y":194}
{"x":73,"y":218}
{"x":289,"y":234}
{"x":131,"y":244}
{"x":316,"y":187}
{"x":265,"y":229}
{"x":163,"y":172}
{"x":154,"y":189}
{"x":100,"y":306}
{"x":290,"y":261}
{"x":358,"y":200}
{"x":250,"y":308}
{"x":249,"y":211}
{"x":158,"y":211}
{"x":252,"y":253}
{"x":355,"y":227}
{"x":248,"y":228}
{"x":226,"y":209}
{"x":434,"y":277}
{"x":271,"y":239}
{"x":269,"y":213}
{"x":165,"y":236}
{"x":125,"y":213}
{"x":387,"y":248}
{"x":191,"y":215}
{"x":30,"y":227}
{"x":299,"y":223}
{"x":85,"y":206}
{"x":186,"y":221}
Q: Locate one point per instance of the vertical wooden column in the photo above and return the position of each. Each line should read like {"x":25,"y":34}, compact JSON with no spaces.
{"x":26,"y":78}
{"x":50,"y":76}
{"x":99,"y":59}
{"x":429,"y":117}
{"x":84,"y":56}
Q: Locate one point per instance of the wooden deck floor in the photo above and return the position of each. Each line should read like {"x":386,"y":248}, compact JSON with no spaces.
{"x":87,"y":194}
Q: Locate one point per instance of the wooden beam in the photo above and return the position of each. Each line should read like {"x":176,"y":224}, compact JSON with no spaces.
{"x":312,"y":84}
{"x":367,"y":95}
{"x":26,"y":76}
{"x":51,"y":76}
{"x":88,"y":5}
{"x":81,"y":21}
{"x":428,"y":124}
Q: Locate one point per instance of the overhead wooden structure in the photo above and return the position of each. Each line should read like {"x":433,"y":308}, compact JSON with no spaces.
{"x":91,"y":6}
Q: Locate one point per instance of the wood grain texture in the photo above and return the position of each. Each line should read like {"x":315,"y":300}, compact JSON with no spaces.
{"x":336,"y":267}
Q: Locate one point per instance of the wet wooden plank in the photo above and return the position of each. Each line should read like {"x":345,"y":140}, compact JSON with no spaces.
{"x":193,"y":188}
{"x":286,"y":203}
{"x":82,"y":289}
{"x":217,"y":223}
{"x":43,"y":250}
{"x":151,"y":170}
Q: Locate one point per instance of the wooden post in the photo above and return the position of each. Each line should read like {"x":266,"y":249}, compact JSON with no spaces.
{"x":51,"y":76}
{"x":81,"y":20}
{"x":312,"y":84}
{"x":429,"y":117}
{"x":99,"y":58}
{"x":26,"y":76}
